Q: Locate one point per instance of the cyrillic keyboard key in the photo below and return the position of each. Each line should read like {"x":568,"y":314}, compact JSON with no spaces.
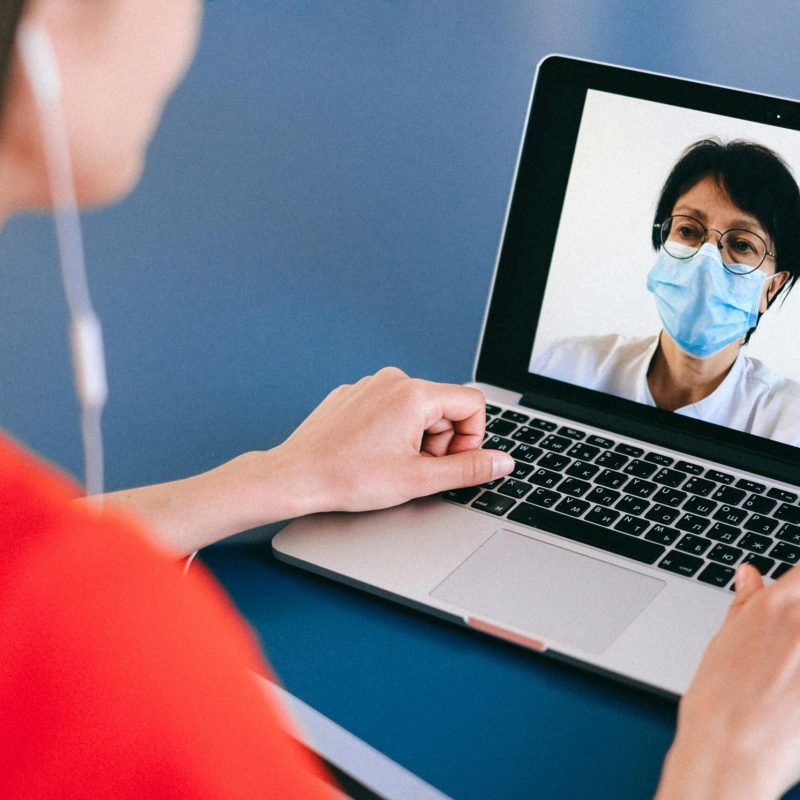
{"x":730,"y":515}
{"x":632,"y":525}
{"x":786,"y":552}
{"x":582,"y":470}
{"x":682,"y":563}
{"x":545,"y":477}
{"x":691,"y":523}
{"x":693,"y":544}
{"x":663,"y":514}
{"x":516,"y":489}
{"x":699,"y":486}
{"x":601,"y":515}
{"x":574,"y":487}
{"x":611,"y":460}
{"x":787,"y":513}
{"x":716,"y":575}
{"x":543,"y":497}
{"x":584,"y":532}
{"x":583,"y":451}
{"x":640,"y":488}
{"x":462,"y":495}
{"x":725,"y":554}
{"x":669,"y":477}
{"x":611,"y":479}
{"x":526,"y":453}
{"x":755,"y":543}
{"x":669,"y":497}
{"x":521,"y":471}
{"x":554,"y":461}
{"x":729,"y":495}
{"x":527,"y":435}
{"x":759,"y":504}
{"x":760,"y":524}
{"x":502,"y":427}
{"x":789,"y":533}
{"x":662,"y":534}
{"x":493,"y":503}
{"x":633,"y":505}
{"x":641,"y":469}
{"x":602,"y":496}
{"x":721,"y":532}
{"x":572,"y":506}
{"x":558,"y":444}
{"x":761,"y":563}
{"x":700,"y":505}
{"x":498,"y":443}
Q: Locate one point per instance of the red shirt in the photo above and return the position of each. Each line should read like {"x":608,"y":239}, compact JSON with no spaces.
{"x":118,"y":677}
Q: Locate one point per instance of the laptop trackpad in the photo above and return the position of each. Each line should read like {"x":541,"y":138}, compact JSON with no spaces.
{"x":549,"y":592}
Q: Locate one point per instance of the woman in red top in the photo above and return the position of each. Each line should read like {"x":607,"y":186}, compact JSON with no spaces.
{"x":119,"y":679}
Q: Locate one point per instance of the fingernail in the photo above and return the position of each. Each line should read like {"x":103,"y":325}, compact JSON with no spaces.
{"x":502,"y":464}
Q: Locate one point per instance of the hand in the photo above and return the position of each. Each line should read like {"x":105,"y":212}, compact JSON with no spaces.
{"x":739,"y":722}
{"x":389,"y":438}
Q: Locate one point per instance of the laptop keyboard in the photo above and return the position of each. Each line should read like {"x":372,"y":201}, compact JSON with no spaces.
{"x":628,"y":500}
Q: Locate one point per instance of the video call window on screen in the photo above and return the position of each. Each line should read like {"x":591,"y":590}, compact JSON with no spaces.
{"x":671,"y":282}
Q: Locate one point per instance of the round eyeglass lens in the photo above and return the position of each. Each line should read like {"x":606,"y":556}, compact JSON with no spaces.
{"x":742,"y":251}
{"x":682,"y":236}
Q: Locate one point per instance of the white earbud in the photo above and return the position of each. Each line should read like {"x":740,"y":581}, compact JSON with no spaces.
{"x":85,"y":334}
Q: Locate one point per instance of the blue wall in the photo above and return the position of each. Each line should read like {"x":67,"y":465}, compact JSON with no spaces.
{"x":325,"y":196}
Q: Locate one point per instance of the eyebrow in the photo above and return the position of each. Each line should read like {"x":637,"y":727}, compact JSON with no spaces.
{"x":748,"y":223}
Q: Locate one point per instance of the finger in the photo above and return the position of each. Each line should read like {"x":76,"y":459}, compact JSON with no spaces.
{"x":747,"y":581}
{"x":464,"y":406}
{"x":471,"y":468}
{"x":437,"y":444}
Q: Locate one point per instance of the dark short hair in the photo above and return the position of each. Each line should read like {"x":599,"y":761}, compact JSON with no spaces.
{"x":756,"y":179}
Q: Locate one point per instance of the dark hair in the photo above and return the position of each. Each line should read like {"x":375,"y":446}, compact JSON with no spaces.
{"x":757,"y":181}
{"x":10,"y":15}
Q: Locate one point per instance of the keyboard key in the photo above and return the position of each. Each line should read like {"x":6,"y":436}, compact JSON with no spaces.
{"x":786,"y":552}
{"x":719,"y":477}
{"x":700,"y":505}
{"x":611,"y":479}
{"x":759,"y":504}
{"x":755,"y":543}
{"x":502,"y":427}
{"x":761,"y":524}
{"x":498,"y":443}
{"x":663,"y":514}
{"x":721,"y":532}
{"x":558,"y":444}
{"x":515,"y":416}
{"x":493,"y":503}
{"x":729,"y":495}
{"x":788,"y":533}
{"x":611,"y":460}
{"x":751,"y":486}
{"x":782,"y":495}
{"x":542,"y":424}
{"x":669,"y":477}
{"x":633,"y":505}
{"x":526,"y":434}
{"x":554,"y":461}
{"x":490,"y":409}
{"x":787,"y":513}
{"x":545,"y":477}
{"x":462,"y":495}
{"x":659,"y":458}
{"x":601,"y":515}
{"x":599,"y":441}
{"x":662,"y":534}
{"x":574,"y":487}
{"x":633,"y":525}
{"x":641,"y":469}
{"x":725,"y":554}
{"x":669,"y":497}
{"x":571,"y":433}
{"x":580,"y":469}
{"x":692,"y":523}
{"x":521,"y":471}
{"x":693,"y":544}
{"x":629,"y":450}
{"x":780,"y":569}
{"x":716,"y":575}
{"x":731,"y":516}
{"x":640,"y":488}
{"x":761,"y":563}
{"x":526,"y":453}
{"x":514,"y":488}
{"x":492,"y":484}
{"x":682,"y":563}
{"x":583,"y":451}
{"x":602,"y":496}
{"x":687,"y":466}
{"x":572,"y":506}
{"x":543,"y":497}
{"x":699,"y":486}
{"x":579,"y":530}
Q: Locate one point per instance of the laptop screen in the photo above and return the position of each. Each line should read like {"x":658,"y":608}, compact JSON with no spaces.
{"x":645,"y":275}
{"x":665,"y":327}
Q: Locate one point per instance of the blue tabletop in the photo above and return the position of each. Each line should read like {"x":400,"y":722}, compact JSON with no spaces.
{"x":324,"y":197}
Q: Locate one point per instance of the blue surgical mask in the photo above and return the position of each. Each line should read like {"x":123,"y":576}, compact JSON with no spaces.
{"x":702,"y":306}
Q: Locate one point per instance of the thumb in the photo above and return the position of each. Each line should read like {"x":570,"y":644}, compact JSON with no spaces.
{"x":747,"y":581}
{"x":470,"y":468}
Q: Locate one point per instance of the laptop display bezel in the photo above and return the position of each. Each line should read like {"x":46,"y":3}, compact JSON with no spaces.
{"x":534,"y":213}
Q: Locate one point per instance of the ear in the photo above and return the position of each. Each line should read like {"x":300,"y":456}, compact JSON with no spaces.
{"x":772,"y":288}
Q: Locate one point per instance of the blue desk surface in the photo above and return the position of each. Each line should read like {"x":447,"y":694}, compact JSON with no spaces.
{"x":325,"y":197}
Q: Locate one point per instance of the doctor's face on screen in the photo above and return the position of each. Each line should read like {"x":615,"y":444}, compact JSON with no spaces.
{"x":724,"y":234}
{"x":118,"y":62}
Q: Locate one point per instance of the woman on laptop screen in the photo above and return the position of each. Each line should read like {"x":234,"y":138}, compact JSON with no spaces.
{"x":725,"y":230}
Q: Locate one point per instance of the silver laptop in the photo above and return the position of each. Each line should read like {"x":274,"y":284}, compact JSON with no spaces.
{"x":614,"y":542}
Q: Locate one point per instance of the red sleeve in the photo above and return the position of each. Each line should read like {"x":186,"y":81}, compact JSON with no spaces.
{"x":119,"y":678}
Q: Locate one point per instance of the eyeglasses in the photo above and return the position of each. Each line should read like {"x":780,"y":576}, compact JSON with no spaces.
{"x":742,"y":251}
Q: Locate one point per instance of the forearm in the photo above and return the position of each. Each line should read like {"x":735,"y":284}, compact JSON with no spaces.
{"x":251,"y":490}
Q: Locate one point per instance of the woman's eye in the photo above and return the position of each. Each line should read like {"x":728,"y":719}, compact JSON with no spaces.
{"x":742,"y":246}
{"x":686,"y":232}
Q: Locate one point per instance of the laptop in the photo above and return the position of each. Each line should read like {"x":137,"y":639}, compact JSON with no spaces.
{"x":614,"y":542}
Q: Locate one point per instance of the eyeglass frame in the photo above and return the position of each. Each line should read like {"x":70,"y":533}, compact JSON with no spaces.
{"x":660,"y":227}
